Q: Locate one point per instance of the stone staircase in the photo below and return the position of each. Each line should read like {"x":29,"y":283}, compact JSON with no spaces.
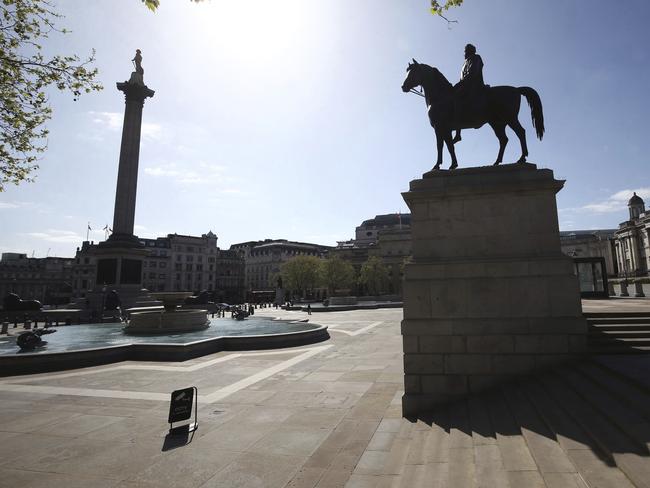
{"x":585,"y":424}
{"x":619,"y":332}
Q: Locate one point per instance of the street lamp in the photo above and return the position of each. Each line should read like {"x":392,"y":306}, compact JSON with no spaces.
{"x":101,"y":312}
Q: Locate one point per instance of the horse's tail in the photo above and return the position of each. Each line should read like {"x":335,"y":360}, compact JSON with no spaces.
{"x":535,"y":109}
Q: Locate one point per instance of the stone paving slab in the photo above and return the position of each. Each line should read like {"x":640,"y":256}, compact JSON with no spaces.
{"x":326,"y":415}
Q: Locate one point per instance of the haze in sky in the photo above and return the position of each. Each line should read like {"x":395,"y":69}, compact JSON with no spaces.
{"x":285,"y":119}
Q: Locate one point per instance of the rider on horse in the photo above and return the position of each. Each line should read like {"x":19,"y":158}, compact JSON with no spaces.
{"x":469,"y":90}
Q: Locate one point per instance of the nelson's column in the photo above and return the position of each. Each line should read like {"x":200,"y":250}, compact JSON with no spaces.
{"x":119,"y":258}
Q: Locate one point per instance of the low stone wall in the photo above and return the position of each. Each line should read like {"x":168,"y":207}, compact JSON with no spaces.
{"x":343,"y":300}
{"x":46,"y":362}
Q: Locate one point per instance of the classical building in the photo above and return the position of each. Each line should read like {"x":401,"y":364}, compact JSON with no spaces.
{"x":387,"y":237}
{"x":175,"y":263}
{"x":264,"y":258}
{"x":45,"y":279}
{"x":597,"y":243}
{"x":632,"y":240}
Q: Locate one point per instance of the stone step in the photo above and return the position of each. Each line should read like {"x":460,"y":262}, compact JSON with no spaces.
{"x":619,"y":327}
{"x":631,"y":370}
{"x":605,"y":315}
{"x":627,"y":453}
{"x":618,"y":339}
{"x":629,"y":391}
{"x":619,"y":413}
{"x":596,"y":467}
{"x":618,"y":334}
{"x":620,"y":321}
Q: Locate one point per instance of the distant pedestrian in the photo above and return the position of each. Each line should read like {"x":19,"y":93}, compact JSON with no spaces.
{"x":308,"y":309}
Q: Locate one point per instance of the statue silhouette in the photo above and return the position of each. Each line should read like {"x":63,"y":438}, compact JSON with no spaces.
{"x":500,"y":109}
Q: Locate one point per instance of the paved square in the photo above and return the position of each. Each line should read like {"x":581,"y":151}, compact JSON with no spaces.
{"x":324,"y":415}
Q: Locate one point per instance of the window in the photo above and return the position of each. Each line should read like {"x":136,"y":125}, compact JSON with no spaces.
{"x":178,"y":267}
{"x":152,"y":276}
{"x":163,"y":264}
{"x":178,"y":257}
{"x":189,"y":258}
{"x":153,"y":264}
{"x":161,"y":276}
{"x":188,"y":267}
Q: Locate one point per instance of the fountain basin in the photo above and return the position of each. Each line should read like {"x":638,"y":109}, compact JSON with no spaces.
{"x":164,"y":322}
{"x":79,"y":346}
{"x":170,"y":320}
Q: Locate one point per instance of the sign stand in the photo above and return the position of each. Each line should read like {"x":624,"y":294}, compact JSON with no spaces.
{"x":180,"y":409}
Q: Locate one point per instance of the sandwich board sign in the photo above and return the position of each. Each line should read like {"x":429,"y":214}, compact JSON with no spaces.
{"x":180,"y":408}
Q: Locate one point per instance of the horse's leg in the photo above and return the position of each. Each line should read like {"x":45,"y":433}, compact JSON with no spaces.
{"x":500,"y":132}
{"x":521,"y":134}
{"x":439,"y":143}
{"x":450,"y":147}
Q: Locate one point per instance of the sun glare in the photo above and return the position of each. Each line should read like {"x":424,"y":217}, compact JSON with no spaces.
{"x":260,"y":30}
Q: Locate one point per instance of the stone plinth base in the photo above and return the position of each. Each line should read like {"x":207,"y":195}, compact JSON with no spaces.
{"x":488,"y":295}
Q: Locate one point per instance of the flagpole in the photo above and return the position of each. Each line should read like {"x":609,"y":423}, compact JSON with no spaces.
{"x":88,"y":232}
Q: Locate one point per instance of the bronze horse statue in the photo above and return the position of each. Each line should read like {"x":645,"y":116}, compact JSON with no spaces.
{"x":501,"y":109}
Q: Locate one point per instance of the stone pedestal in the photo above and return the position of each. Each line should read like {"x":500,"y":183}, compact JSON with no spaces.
{"x":488,"y":295}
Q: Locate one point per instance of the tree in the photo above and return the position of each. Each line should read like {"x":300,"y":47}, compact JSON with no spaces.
{"x":438,"y":8}
{"x":336,"y":274}
{"x":154,"y":4}
{"x":25,"y":73}
{"x":301,"y":273}
{"x":374,"y":275}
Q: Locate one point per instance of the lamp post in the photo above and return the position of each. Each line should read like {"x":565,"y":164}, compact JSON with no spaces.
{"x":101,"y":312}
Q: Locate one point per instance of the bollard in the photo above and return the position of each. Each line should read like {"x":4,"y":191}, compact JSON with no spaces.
{"x":57,"y":322}
{"x":212,"y":315}
{"x":610,"y":289}
{"x":624,"y":292}
{"x":5,"y":328}
{"x":68,"y":321}
{"x":638,"y":289}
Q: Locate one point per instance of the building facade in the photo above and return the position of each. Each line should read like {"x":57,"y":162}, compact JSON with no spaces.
{"x":48,"y":280}
{"x":592,"y":244}
{"x":386,"y":236}
{"x":632,"y":245}
{"x":175,"y":263}
{"x":263,"y":260}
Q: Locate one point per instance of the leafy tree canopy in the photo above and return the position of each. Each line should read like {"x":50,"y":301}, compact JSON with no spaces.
{"x":336,"y":274}
{"x":25,"y":73}
{"x":374,"y":275}
{"x":437,"y":7}
{"x":301,"y":273}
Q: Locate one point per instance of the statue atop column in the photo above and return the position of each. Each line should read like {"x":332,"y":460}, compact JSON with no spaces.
{"x":137,"y":76}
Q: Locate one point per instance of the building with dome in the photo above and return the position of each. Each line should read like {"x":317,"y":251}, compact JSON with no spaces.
{"x":632,"y":241}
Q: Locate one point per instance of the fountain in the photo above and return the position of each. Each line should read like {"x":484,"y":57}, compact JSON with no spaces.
{"x":170,"y":320}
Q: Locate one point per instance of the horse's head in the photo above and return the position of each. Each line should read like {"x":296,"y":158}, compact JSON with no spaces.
{"x":413,"y":77}
{"x":418,"y":74}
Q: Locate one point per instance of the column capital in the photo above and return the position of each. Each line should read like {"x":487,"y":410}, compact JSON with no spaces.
{"x":135,"y":91}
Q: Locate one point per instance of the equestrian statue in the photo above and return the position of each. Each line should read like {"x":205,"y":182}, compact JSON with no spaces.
{"x":470,"y":104}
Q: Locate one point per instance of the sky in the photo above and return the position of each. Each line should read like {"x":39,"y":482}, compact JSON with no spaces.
{"x":286,"y":119}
